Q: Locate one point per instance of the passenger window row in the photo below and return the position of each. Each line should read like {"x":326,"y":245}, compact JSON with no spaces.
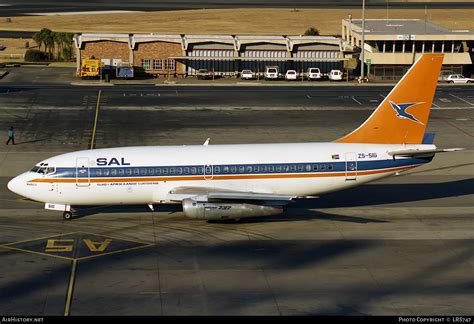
{"x":218,"y":169}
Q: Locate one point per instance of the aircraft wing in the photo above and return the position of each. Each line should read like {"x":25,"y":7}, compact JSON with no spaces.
{"x":209,"y":194}
{"x":421,"y":153}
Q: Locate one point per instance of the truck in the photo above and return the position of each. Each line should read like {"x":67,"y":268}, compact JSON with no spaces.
{"x":90,"y":68}
{"x":124,"y":72}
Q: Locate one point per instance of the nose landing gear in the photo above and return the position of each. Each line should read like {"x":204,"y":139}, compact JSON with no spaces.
{"x":67,"y":215}
{"x":66,"y":209}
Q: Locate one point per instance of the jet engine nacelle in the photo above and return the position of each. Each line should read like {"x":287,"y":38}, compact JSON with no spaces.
{"x":223,"y":210}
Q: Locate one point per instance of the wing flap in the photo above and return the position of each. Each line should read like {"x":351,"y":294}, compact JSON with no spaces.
{"x":206,"y":194}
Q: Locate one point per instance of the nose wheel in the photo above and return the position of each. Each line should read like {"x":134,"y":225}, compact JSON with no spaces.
{"x":67,"y":215}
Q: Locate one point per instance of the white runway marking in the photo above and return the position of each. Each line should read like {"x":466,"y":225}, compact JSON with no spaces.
{"x":468,"y":102}
{"x":353,"y":98}
{"x":435,"y":105}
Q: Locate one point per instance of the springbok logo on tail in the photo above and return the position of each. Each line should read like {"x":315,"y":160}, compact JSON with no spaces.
{"x":400,"y":109}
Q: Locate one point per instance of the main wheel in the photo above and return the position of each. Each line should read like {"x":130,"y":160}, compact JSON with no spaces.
{"x":67,"y":215}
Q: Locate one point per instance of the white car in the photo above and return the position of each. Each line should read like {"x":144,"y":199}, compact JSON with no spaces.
{"x":335,"y":75}
{"x":247,"y":75}
{"x":444,"y":74}
{"x":314,"y":74}
{"x":291,"y":75}
{"x":458,"y":78}
{"x":271,"y":73}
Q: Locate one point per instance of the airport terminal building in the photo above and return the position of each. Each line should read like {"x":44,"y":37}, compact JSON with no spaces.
{"x":392,"y":45}
{"x":224,"y":55}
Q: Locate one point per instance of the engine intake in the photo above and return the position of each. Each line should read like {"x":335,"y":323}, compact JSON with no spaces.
{"x":224,"y":210}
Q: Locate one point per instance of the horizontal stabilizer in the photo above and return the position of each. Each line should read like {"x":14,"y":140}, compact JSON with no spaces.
{"x":419,"y":153}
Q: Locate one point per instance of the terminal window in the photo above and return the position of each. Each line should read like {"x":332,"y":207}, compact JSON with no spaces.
{"x":146,"y":64}
{"x":157,"y":64}
{"x":171,"y":64}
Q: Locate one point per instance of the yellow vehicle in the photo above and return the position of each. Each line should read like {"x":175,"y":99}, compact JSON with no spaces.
{"x":90,"y":68}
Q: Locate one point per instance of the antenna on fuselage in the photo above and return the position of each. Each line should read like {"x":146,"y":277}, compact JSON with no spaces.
{"x":207,"y":141}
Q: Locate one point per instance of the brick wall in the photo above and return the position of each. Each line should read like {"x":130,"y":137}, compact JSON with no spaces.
{"x":157,"y":51}
{"x":106,"y":50}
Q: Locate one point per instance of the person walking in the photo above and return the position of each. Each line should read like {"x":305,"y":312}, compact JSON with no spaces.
{"x":11,"y":136}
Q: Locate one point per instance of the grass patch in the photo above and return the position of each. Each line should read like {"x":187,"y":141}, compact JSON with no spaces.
{"x":231,"y":21}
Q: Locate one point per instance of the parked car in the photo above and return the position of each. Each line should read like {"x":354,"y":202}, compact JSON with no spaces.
{"x":2,"y":47}
{"x":247,"y":75}
{"x":314,"y":74}
{"x":203,"y":74}
{"x":271,"y":73}
{"x":458,"y":78}
{"x":335,"y":75}
{"x":443,"y":74}
{"x":291,"y":75}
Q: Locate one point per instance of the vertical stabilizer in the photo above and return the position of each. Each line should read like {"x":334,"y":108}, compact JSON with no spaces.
{"x":402,"y":116}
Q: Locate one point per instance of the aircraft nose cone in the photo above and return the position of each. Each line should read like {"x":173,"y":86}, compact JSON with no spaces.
{"x":14,"y":185}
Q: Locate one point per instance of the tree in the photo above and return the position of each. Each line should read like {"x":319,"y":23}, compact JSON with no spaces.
{"x":49,"y":43}
{"x":58,"y":40}
{"x":311,"y":31}
{"x":57,"y":45}
{"x":66,"y":45}
{"x":37,"y":37}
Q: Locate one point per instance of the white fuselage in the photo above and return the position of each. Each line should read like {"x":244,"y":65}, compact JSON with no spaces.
{"x":145,"y":175}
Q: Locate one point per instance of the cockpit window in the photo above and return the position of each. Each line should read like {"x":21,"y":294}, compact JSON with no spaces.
{"x":46,"y":170}
{"x":43,"y":169}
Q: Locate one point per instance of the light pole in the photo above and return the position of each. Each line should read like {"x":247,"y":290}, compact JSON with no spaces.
{"x":362,"y":51}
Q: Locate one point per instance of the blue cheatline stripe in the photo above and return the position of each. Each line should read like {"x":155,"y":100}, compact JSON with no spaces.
{"x":234,"y":169}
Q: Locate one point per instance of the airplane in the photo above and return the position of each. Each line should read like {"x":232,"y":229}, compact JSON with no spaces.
{"x":219,"y":182}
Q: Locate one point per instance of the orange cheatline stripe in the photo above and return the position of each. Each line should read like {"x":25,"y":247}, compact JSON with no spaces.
{"x":94,"y":180}
{"x":227,"y":177}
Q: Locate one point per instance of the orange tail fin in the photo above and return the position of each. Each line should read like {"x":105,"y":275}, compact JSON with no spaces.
{"x":402,"y":116}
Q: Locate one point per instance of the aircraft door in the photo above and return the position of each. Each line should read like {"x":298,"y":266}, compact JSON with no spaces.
{"x":351,"y":166}
{"x":208,"y":172}
{"x":82,"y":172}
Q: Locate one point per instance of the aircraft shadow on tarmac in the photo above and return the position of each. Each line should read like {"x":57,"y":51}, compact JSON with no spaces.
{"x":366,"y":195}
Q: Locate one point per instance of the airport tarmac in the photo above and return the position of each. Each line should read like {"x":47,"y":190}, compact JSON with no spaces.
{"x":403,"y":245}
